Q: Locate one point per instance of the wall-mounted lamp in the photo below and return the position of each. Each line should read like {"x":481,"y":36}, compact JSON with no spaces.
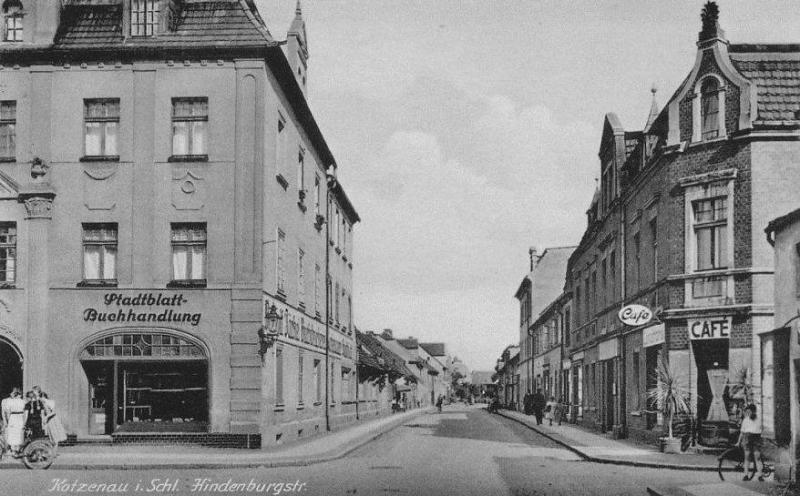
{"x":268,"y":334}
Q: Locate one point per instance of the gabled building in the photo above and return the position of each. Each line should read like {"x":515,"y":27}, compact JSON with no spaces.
{"x":166,"y":193}
{"x":675,"y":227}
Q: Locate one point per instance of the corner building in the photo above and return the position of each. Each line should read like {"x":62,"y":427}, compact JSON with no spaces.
{"x":162,"y":183}
{"x":677,"y":225}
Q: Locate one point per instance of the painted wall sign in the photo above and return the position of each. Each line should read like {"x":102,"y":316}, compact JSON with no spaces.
{"x":141,"y":308}
{"x":607,"y":350}
{"x":710,"y":328}
{"x":653,"y":335}
{"x":635,"y":315}
{"x":295,"y":325}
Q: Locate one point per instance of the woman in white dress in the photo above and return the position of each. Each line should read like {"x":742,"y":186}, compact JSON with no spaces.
{"x":13,"y":409}
{"x":52,"y":424}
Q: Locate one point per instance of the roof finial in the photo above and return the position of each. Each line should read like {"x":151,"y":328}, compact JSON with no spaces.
{"x":651,"y":117}
{"x":298,"y":10}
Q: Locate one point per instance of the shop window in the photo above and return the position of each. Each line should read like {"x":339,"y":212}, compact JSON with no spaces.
{"x":636,"y":381}
{"x":300,"y":367}
{"x":99,"y":254}
{"x":711,"y":231}
{"x":332,"y":389}
{"x":346,"y":391}
{"x":101,"y":128}
{"x":281,"y":263}
{"x":12,"y":23}
{"x":144,"y":17}
{"x":189,"y":255}
{"x":279,"y":376}
{"x":189,"y":129}
{"x":8,"y":253}
{"x":651,"y":358}
{"x":8,"y":130}
{"x":317,"y":376}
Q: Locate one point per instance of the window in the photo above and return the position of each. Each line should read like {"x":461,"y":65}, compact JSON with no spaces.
{"x":12,"y":9}
{"x":189,"y":253}
{"x":100,"y":127}
{"x":316,"y":194}
{"x":8,"y":129}
{"x":281,"y":262}
{"x":317,"y":284}
{"x":567,"y":326}
{"x":144,"y":17}
{"x":612,"y":273}
{"x":711,"y":229}
{"x":100,"y":253}
{"x":603,"y":282}
{"x":301,"y":279}
{"x":608,"y":185}
{"x":299,"y":377}
{"x":301,"y":172}
{"x":279,"y":376}
{"x":594,"y":292}
{"x":280,"y":150}
{"x":654,"y":246}
{"x":8,"y":252}
{"x":637,"y":258}
{"x":189,"y":128}
{"x":346,"y":384}
{"x":349,"y":313}
{"x":332,"y":390}
{"x":336,"y":304}
{"x":336,"y":226}
{"x":578,"y":303}
{"x":709,"y":98}
{"x":317,"y":381}
{"x":587,"y":296}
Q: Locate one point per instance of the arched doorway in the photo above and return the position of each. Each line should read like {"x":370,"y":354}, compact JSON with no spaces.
{"x":10,"y":368}
{"x":146,"y":381}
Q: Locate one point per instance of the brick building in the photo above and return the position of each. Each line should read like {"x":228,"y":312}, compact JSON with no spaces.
{"x":676,"y":226}
{"x":163,"y":185}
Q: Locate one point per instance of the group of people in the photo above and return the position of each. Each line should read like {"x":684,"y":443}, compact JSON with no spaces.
{"x":34,"y":413}
{"x":536,"y":405}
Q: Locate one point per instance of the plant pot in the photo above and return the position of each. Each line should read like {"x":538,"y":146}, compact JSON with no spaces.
{"x":670,"y":444}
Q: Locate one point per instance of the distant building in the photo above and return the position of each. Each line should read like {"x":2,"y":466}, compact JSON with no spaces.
{"x":507,"y":378}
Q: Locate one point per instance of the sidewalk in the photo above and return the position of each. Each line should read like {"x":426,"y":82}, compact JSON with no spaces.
{"x":601,"y":449}
{"x":317,"y":449}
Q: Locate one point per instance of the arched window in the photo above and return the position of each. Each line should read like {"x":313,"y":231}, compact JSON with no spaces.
{"x":709,"y":108}
{"x":12,"y":20}
{"x":156,"y":345}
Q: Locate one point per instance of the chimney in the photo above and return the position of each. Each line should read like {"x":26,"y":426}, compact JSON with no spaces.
{"x":710,"y":18}
{"x":532,"y":255}
{"x":43,"y":22}
{"x":387,"y":334}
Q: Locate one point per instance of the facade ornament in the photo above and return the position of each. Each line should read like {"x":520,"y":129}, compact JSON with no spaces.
{"x":38,"y":168}
{"x":39,"y":207}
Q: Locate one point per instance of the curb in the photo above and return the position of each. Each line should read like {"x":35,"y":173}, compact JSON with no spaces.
{"x":612,"y":461}
{"x":267,"y":463}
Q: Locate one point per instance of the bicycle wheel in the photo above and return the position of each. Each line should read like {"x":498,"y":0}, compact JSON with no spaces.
{"x":39,"y":454}
{"x":730,"y":461}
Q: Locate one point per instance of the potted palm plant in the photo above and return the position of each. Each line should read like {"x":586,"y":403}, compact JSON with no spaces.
{"x":671,"y":397}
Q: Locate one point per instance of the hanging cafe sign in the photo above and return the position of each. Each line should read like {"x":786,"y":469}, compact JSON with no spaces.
{"x":635,"y":315}
{"x":140,"y":308}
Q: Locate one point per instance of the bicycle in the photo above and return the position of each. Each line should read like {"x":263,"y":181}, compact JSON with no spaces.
{"x":36,"y":453}
{"x":732,"y":460}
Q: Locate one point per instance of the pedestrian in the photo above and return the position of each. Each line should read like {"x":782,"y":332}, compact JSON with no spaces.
{"x":550,"y":410}
{"x":13,"y":409}
{"x":52,"y":423}
{"x":561,"y":407}
{"x":439,"y":402}
{"x":34,"y":409}
{"x":750,"y":441}
{"x":538,"y":404}
{"x":527,"y":403}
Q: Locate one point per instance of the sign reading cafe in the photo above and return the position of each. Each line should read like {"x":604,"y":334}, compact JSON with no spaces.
{"x":143,"y":307}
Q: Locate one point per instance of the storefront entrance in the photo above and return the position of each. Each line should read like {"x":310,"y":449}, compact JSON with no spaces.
{"x":146,"y":382}
{"x":10,"y":368}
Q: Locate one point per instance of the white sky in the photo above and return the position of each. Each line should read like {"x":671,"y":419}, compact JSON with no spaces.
{"x":467,"y":131}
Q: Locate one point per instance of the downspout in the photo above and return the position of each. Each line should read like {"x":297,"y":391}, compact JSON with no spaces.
{"x":623,"y":377}
{"x":330,"y":182}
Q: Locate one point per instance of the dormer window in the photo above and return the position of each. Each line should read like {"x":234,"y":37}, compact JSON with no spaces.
{"x":144,"y":17}
{"x":709,"y":105}
{"x":709,"y":109}
{"x":12,"y":20}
